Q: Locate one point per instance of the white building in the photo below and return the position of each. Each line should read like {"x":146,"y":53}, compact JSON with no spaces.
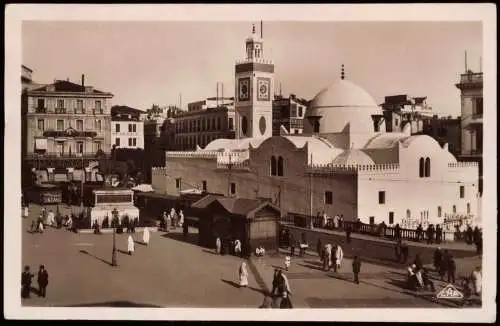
{"x":127,"y":129}
{"x":344,"y":162}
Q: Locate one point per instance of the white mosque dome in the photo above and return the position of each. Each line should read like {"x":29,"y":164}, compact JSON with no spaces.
{"x":353,"y":157}
{"x":343,"y":105}
{"x":342,"y":94}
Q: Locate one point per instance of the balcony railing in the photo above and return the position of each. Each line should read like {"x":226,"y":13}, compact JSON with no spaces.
{"x":56,"y":155}
{"x":40,"y":110}
{"x":97,"y":111}
{"x":60,"y":110}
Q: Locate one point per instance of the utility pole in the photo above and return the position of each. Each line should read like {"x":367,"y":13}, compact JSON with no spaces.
{"x":229,"y":167}
{"x":311,"y":191}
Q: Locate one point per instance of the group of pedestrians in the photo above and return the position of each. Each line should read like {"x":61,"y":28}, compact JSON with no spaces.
{"x":131,"y":243}
{"x":172,"y":220}
{"x":444,"y":264}
{"x":432,"y":234}
{"x":331,"y":256}
{"x":26,"y":280}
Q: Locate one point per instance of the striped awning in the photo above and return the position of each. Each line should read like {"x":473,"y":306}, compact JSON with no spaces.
{"x":41,"y":144}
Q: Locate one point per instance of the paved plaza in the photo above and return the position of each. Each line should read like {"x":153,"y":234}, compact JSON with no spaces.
{"x":171,"y":272}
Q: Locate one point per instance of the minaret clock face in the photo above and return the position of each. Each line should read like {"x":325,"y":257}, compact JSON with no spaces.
{"x":244,"y":89}
{"x":263,"y":85}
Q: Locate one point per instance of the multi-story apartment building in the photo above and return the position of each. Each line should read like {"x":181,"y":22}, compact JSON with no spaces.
{"x":403,"y":111}
{"x":471,"y":93}
{"x":289,"y":113}
{"x":446,"y":130}
{"x":127,"y":129}
{"x":203,"y":122}
{"x":67,"y":124}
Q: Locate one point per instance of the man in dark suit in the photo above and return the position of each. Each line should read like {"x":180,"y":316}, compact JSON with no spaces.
{"x":26,"y":277}
{"x":356,"y":268}
{"x":43,"y":281}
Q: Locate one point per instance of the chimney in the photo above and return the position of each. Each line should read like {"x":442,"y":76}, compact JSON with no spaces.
{"x":83,"y":80}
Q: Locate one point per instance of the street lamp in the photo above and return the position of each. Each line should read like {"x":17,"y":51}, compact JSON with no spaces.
{"x":113,"y":254}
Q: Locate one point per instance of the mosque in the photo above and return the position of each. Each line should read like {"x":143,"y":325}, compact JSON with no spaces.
{"x":343,"y":163}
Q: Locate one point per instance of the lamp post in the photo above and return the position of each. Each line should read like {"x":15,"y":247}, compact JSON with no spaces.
{"x":113,"y":254}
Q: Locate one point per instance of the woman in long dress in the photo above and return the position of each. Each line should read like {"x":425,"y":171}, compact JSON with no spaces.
{"x":145,"y":236}
{"x":130,"y":245}
{"x":243,"y":275}
{"x":181,"y":218}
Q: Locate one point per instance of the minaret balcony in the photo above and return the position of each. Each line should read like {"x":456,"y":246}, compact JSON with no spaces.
{"x":255,"y":60}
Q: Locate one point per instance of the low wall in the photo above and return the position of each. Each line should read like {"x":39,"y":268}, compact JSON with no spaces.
{"x":376,"y":251}
{"x":110,"y":230}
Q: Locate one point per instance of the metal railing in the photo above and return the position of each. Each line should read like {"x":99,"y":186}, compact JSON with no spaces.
{"x":376,"y":230}
{"x":55,"y":155}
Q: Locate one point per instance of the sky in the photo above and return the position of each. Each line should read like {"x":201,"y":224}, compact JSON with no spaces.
{"x":165,"y":63}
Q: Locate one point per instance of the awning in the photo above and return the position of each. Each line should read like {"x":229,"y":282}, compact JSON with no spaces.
{"x":41,"y":144}
{"x":143,"y":188}
{"x":191,"y":191}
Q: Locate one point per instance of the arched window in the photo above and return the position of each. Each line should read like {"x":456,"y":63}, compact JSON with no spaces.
{"x":316,"y":126}
{"x":421,"y":171}
{"x":427,"y":167}
{"x":468,"y":208}
{"x":454,"y":208}
{"x":274,"y":166}
{"x":408,"y":213}
{"x":280,"y":166}
{"x":439,"y":211}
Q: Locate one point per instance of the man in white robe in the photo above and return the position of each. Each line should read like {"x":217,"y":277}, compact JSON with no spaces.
{"x":477,"y":280}
{"x":51,"y":218}
{"x":339,"y":255}
{"x":237,"y":247}
{"x":243,"y":273}
{"x":130,"y":245}
{"x":218,"y":245}
{"x":145,"y":236}
{"x":181,"y":218}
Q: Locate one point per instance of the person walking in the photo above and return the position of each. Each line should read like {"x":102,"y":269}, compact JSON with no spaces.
{"x":477,"y":279}
{"x":339,"y":256}
{"x":237,"y":247}
{"x":356,"y":268}
{"x":438,"y":256}
{"x":185,"y":230}
{"x":275,"y":283}
{"x":145,"y":236}
{"x":243,"y":275}
{"x":418,"y":262}
{"x":26,"y":277}
{"x":405,"y":251}
{"x":218,"y":245}
{"x":397,"y":249}
{"x":288,"y":261}
{"x":130,"y":245}
{"x":439,"y":234}
{"x":451,"y":268}
{"x":286,"y":302}
{"x":319,"y":248}
{"x":292,"y":244}
{"x":43,"y":281}
{"x":348,"y":234}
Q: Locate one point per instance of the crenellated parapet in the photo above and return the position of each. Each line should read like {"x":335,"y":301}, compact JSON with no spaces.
{"x":160,"y":170}
{"x":462,"y":164}
{"x":255,"y":60}
{"x":207,"y":155}
{"x":232,"y":157}
{"x":336,"y":168}
{"x":244,"y":165}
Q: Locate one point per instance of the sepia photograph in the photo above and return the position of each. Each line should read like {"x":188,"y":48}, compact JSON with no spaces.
{"x":163,"y":160}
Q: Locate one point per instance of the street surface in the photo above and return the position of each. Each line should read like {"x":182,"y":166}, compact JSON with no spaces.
{"x":171,"y":272}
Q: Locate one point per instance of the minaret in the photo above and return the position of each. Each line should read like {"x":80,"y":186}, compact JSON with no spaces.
{"x":254,"y":80}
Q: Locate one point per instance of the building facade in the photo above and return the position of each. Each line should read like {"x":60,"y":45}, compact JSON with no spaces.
{"x":471,"y":94}
{"x":66,"y":119}
{"x":127,"y":129}
{"x":288,"y":113}
{"x":197,"y":128}
{"x":404,"y":111}
{"x":344,"y":163}
{"x":446,"y":130}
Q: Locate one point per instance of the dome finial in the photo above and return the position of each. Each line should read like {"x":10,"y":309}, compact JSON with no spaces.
{"x":253,"y":28}
{"x":342,"y":74}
